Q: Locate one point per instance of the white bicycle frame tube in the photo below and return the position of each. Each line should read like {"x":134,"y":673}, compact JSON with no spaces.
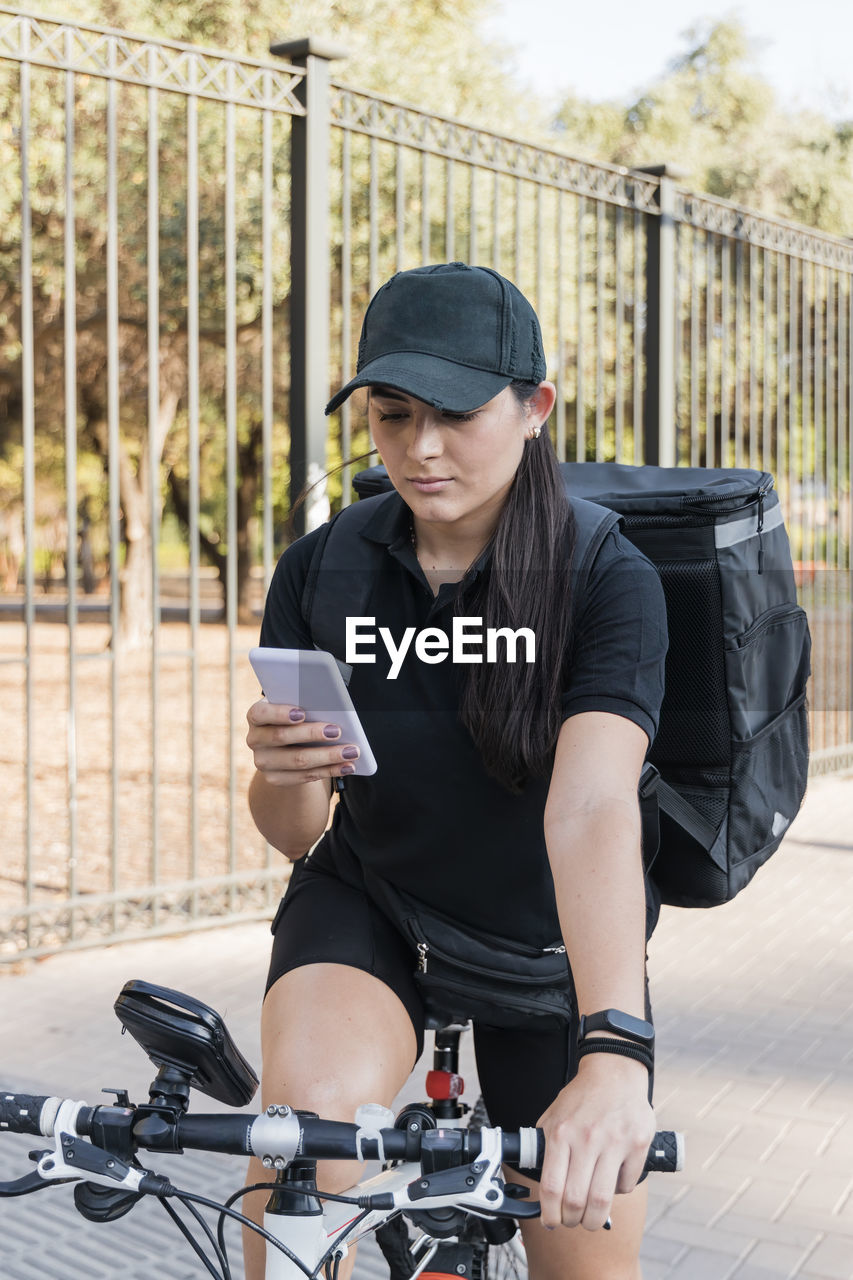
{"x":309,"y":1237}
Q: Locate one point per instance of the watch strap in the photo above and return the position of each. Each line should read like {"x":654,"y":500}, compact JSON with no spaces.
{"x":620,"y":1048}
{"x":604,"y":1021}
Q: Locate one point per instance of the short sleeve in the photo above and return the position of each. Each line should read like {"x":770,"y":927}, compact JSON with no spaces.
{"x":283,"y":625}
{"x":619,"y":639}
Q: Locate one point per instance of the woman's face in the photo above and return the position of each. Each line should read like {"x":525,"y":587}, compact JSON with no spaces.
{"x":451,"y":467}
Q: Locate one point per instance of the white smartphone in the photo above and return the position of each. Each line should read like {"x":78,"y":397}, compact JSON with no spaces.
{"x":309,"y":678}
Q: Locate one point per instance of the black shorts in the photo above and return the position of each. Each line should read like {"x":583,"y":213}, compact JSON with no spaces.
{"x":326,"y":917}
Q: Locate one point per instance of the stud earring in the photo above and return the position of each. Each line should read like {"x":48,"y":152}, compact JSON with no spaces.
{"x":535,"y":433}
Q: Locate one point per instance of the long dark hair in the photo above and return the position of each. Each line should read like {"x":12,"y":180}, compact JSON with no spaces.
{"x":513,"y":710}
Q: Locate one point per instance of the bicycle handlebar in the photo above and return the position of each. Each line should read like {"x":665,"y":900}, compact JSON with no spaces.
{"x":277,"y":1136}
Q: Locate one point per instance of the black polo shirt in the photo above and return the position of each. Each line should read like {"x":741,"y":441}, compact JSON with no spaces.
{"x":431,"y":820}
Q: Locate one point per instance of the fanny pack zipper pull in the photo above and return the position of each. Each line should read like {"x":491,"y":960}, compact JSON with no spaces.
{"x":555,"y":951}
{"x":423,"y":953}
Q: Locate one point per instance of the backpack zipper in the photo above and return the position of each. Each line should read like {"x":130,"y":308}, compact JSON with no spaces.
{"x":424,"y":950}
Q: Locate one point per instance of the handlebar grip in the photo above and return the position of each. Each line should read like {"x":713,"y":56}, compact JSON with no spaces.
{"x":666,"y":1154}
{"x":21,"y":1112}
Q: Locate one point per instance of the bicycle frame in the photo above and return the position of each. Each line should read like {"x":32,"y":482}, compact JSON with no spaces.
{"x":310,"y":1238}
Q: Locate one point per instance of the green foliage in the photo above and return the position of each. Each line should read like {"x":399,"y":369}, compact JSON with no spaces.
{"x":720,"y":123}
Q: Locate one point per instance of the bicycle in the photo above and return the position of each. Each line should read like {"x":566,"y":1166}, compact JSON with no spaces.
{"x":439,"y":1173}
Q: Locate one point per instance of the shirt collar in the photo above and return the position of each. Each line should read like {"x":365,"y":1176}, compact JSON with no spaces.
{"x":390,"y":525}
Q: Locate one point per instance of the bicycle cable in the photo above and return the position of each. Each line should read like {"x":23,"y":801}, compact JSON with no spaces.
{"x":191,"y":1240}
{"x":247,"y":1222}
{"x":238,"y":1195}
{"x":221,"y":1255}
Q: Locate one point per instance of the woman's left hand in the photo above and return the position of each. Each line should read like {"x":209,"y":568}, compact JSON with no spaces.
{"x":597,"y":1136}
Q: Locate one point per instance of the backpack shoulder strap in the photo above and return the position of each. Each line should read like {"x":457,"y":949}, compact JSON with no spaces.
{"x":339,"y":581}
{"x":592,"y":525}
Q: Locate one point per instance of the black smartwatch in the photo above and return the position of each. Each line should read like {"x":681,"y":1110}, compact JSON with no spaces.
{"x":619,"y":1024}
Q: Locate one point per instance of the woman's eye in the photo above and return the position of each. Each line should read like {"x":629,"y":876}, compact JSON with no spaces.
{"x":460,"y":417}
{"x":391,"y":417}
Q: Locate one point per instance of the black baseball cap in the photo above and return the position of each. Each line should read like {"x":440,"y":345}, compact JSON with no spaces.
{"x":451,"y":334}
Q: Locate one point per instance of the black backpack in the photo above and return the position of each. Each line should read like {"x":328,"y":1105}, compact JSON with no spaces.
{"x":727,"y":771}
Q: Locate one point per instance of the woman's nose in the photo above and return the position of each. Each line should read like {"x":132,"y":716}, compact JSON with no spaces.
{"x":426,"y":439}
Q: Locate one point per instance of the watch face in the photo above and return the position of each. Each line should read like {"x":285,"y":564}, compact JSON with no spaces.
{"x":630,"y":1026}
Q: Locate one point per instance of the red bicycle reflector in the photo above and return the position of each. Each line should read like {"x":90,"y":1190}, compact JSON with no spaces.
{"x":443,"y":1085}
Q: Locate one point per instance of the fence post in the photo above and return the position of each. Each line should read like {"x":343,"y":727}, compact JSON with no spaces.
{"x":659,"y":435}
{"x":310,"y":304}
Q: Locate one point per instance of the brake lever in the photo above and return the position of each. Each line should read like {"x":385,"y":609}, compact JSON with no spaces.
{"x":29,"y":1182}
{"x":477,"y":1188}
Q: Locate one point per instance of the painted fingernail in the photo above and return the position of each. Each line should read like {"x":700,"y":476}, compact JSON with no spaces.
{"x":296,"y":713}
{"x":347,"y":768}
{"x":332,"y":731}
{"x":350,"y":753}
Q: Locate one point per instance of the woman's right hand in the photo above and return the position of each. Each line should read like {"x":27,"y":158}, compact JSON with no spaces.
{"x":290,"y":750}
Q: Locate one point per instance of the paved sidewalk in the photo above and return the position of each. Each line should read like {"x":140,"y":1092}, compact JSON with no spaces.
{"x":754,"y":1012}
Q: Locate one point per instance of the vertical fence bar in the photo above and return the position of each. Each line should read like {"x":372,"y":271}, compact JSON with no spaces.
{"x":114,"y":450}
{"x":496,"y":221}
{"x":153,"y":319}
{"x":425,"y":226}
{"x":637,"y":360}
{"x":678,"y":338}
{"x":793,"y":378}
{"x":619,"y":388}
{"x":848,"y":597}
{"x":695,"y":438}
{"x":753,"y":362}
{"x":710,"y":338}
{"x":561,"y":337}
{"x":400,"y":208}
{"x":783,"y":363}
{"x":540,"y":238}
{"x":725,"y":304}
{"x":29,"y":477}
{"x":472,"y":213}
{"x":267,"y":355}
{"x":659,"y":408}
{"x":193,"y":464}
{"x":766,"y":398}
{"x":373,"y":218}
{"x":739,"y":344}
{"x":449,"y":219}
{"x":848,"y":494}
{"x":806,"y":428}
{"x":835,"y":680}
{"x":231,"y":464}
{"x":70,"y":383}
{"x":346,"y":311}
{"x":580,"y":415}
{"x":599,"y":331}
{"x":310,"y":304}
{"x":267,"y":382}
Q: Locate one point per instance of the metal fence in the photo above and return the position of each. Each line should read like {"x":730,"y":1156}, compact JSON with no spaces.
{"x":188,"y":242}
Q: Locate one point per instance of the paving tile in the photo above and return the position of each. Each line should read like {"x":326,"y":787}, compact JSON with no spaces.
{"x":831,"y":1260}
{"x":704,"y":1264}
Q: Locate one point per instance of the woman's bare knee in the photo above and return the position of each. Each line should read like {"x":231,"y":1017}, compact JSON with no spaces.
{"x":332,"y":1038}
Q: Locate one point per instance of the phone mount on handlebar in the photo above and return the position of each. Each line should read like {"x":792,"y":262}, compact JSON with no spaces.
{"x":189,"y":1044}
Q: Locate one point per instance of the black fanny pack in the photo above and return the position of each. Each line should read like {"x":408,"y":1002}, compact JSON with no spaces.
{"x":466,"y":973}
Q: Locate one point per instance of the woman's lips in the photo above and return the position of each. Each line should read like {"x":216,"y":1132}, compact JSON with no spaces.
{"x":428,"y":484}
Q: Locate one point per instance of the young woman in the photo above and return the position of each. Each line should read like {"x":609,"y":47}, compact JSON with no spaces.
{"x":512,"y":783}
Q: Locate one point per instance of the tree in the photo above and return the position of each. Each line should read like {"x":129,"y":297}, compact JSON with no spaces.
{"x":721,"y":123}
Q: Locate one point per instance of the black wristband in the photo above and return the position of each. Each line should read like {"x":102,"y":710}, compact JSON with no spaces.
{"x":620,"y":1047}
